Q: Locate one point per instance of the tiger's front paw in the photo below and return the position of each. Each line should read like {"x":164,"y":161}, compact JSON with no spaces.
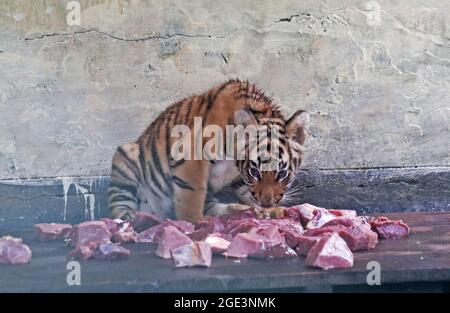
{"x":234,"y":207}
{"x":128,"y":215}
{"x":268,"y":213}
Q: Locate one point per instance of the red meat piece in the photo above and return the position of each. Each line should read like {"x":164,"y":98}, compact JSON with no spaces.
{"x":111,"y":224}
{"x":144,"y":220}
{"x":100,"y":251}
{"x":192,"y":254}
{"x":124,"y":233}
{"x":152,"y":234}
{"x":242,"y":245}
{"x":305,"y":243}
{"x":389,"y":229}
{"x":218,"y":243}
{"x":199,"y":234}
{"x":331,"y":251}
{"x":171,"y":238}
{"x":292,"y":213}
{"x":52,"y":231}
{"x":357,"y":235}
{"x":312,"y":216}
{"x":235,"y":227}
{"x":211,"y":225}
{"x":305,"y":211}
{"x":281,"y":250}
{"x":110,"y":251}
{"x":320,"y":217}
{"x":83,"y":251}
{"x":183,"y":226}
{"x":95,"y":231}
{"x":268,"y":234}
{"x":13,"y":251}
{"x":240,"y":215}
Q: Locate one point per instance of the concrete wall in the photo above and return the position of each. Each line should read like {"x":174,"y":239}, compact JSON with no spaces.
{"x":374,"y":75}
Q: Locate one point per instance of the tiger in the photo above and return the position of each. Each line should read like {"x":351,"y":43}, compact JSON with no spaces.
{"x":145,"y":175}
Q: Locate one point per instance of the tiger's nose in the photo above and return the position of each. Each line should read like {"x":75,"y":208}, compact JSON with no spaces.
{"x":266,"y":201}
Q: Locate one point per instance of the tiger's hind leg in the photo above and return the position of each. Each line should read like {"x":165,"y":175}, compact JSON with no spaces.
{"x":125,"y":176}
{"x":190,"y":184}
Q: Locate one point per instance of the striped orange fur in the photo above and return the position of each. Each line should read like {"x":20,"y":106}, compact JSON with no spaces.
{"x":146,"y":177}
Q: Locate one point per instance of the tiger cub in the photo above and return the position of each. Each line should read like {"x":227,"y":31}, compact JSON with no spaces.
{"x":147,"y":176}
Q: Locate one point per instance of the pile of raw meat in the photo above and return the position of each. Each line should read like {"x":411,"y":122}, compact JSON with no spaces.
{"x":327,"y":238}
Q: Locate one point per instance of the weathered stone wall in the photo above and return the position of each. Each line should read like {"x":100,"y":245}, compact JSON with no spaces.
{"x":374,"y":76}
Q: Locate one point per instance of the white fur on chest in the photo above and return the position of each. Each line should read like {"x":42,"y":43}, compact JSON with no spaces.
{"x":222,"y":173}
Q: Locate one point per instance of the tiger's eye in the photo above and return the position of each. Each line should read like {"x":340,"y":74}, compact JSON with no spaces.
{"x":282,"y":174}
{"x":254,"y":172}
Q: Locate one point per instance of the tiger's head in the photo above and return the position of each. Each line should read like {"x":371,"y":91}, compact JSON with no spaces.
{"x":273,"y":158}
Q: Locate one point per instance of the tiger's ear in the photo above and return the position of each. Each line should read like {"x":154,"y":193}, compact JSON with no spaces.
{"x":296,"y":126}
{"x":244,"y":117}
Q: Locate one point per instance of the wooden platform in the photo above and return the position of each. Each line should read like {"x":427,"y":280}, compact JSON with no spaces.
{"x":423,"y":257}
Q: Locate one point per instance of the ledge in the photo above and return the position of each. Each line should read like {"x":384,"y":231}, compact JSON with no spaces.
{"x":25,"y":202}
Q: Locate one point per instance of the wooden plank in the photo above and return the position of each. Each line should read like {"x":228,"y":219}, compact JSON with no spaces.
{"x":423,"y":257}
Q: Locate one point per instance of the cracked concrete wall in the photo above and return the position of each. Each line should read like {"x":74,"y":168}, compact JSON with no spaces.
{"x":373,"y":74}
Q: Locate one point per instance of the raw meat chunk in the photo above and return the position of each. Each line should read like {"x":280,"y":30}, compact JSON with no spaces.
{"x":111,"y":224}
{"x":83,"y":251}
{"x":110,"y":251}
{"x":281,"y":250}
{"x":192,"y":254}
{"x":144,"y":220}
{"x":211,"y":225}
{"x":312,"y":216}
{"x":100,"y":251}
{"x":124,"y":233}
{"x":331,"y":251}
{"x":199,"y":234}
{"x":241,"y":226}
{"x":95,"y":231}
{"x":292,"y":213}
{"x":268,"y":234}
{"x":320,"y":217}
{"x":306,"y":211}
{"x":240,"y":215}
{"x":52,"y":231}
{"x":13,"y":251}
{"x":343,"y":213}
{"x":183,"y":226}
{"x":305,"y":243}
{"x":357,"y":235}
{"x":218,"y":244}
{"x":243,"y":245}
{"x":389,"y":229}
{"x":323,"y":216}
{"x":171,"y":238}
{"x":152,"y":234}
